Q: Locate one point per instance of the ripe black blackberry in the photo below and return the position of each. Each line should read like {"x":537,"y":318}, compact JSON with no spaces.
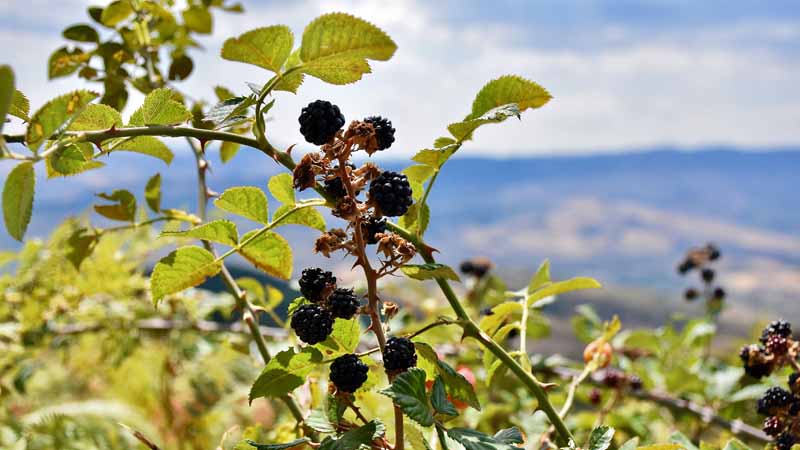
{"x":713,"y":252}
{"x":399,"y":354}
{"x":774,"y":400}
{"x":348,"y":373}
{"x":635,"y":383}
{"x":316,"y":284}
{"x":319,"y":121}
{"x":335,"y":186}
{"x":772,"y":426}
{"x":785,"y":441}
{"x":707,"y":275}
{"x":391,"y":192}
{"x":343,"y":303}
{"x":754,"y":360}
{"x":691,"y":294}
{"x":371,"y":227}
{"x":613,"y":378}
{"x":719,"y":294}
{"x":384,"y":132}
{"x":685,"y":266}
{"x":312,"y":323}
{"x":780,"y":328}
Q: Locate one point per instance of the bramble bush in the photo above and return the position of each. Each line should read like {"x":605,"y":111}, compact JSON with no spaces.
{"x":98,"y":354}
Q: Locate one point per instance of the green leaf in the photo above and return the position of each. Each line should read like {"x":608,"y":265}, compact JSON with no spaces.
{"x":541,"y":278}
{"x":630,"y":444}
{"x":71,"y":160}
{"x":184,"y":268}
{"x":223,"y":93}
{"x":96,"y":117}
{"x":457,"y":386}
{"x":665,"y":447}
{"x":292,"y":81}
{"x":500,"y":314}
{"x":124,"y":207}
{"x":343,"y":339}
{"x":510,"y":436}
{"x":54,"y":114}
{"x":254,"y":289}
{"x":280,"y":186}
{"x":81,"y":33}
{"x":419,"y":172}
{"x":286,"y":446}
{"x":318,"y":421}
{"x":735,"y":444}
{"x":412,"y":221}
{"x":228,"y":150}
{"x":336,"y":47}
{"x":146,"y":145}
{"x":285,"y":372}
{"x":6,"y":93}
{"x":560,"y":287}
{"x":20,"y":106}
{"x":160,"y":108}
{"x":356,"y":439}
{"x":408,"y":392}
{"x":682,"y":440}
{"x":80,"y":245}
{"x":463,"y":130}
{"x":230,"y":111}
{"x":269,"y":252}
{"x":65,"y":61}
{"x":245,"y":201}
{"x":600,"y":438}
{"x":475,"y":440}
{"x":198,"y":19}
{"x":506,"y":90}
{"x":435,"y":158}
{"x":309,"y":217}
{"x":116,"y":12}
{"x":267,"y":47}
{"x":152,"y":193}
{"x":443,"y":141}
{"x":18,"y":199}
{"x":220,"y":231}
{"x":429,"y":271}
{"x":439,"y":399}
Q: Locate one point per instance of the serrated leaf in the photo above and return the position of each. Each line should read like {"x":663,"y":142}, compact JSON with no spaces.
{"x":198,"y":19}
{"x":462,"y":131}
{"x":408,"y":392}
{"x":6,"y":92}
{"x":96,"y":116}
{"x":336,"y":47}
{"x":20,"y":106}
{"x":318,"y":421}
{"x":269,"y":252}
{"x":228,"y":150}
{"x":419,"y":172}
{"x":227,"y":111}
{"x":65,"y":61}
{"x":475,"y":440}
{"x":18,"y":199}
{"x":81,"y":33}
{"x":160,"y":108}
{"x":152,"y":193}
{"x":506,"y":90}
{"x":146,"y":145}
{"x":245,"y":201}
{"x":560,"y":287}
{"x":456,"y":385}
{"x":54,"y":114}
{"x":291,"y":81}
{"x":600,"y":438}
{"x":267,"y":47}
{"x":510,"y":436}
{"x":343,"y":339}
{"x":429,"y":271}
{"x":184,"y":268}
{"x":285,"y":372}
{"x":443,"y":141}
{"x":69,"y":160}
{"x":309,"y":217}
{"x":439,"y":399}
{"x":286,"y":446}
{"x":435,"y":157}
{"x":356,"y":439}
{"x":280,"y":186}
{"x":220,"y":231}
{"x":116,"y":12}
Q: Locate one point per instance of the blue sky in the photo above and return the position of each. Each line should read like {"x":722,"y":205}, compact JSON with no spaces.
{"x":626,"y":75}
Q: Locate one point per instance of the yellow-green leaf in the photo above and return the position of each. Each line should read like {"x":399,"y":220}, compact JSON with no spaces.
{"x":184,"y":268}
{"x":221,"y":231}
{"x":96,"y":117}
{"x":54,"y":114}
{"x":6,"y":92}
{"x":560,"y":287}
{"x":198,"y":19}
{"x":71,"y":160}
{"x":228,"y":150}
{"x":146,"y":145}
{"x":116,"y":12}
{"x":123,"y":207}
{"x":160,"y":108}
{"x":308,"y":216}
{"x":269,"y":252}
{"x":463,"y":130}
{"x":65,"y":61}
{"x":509,"y":89}
{"x":267,"y":47}
{"x":20,"y":106}
{"x":81,"y":33}
{"x":152,"y":193}
{"x":280,"y":186}
{"x":429,"y":271}
{"x":245,"y":201}
{"x":435,"y":157}
{"x":18,"y":199}
{"x":285,"y":372}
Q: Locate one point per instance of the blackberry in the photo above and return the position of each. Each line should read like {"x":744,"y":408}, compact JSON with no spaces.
{"x":772,"y":426}
{"x":371,"y":227}
{"x":719,"y":294}
{"x":595,"y":397}
{"x":391,"y":192}
{"x":384,"y":132}
{"x":774,"y":400}
{"x":335,"y":187}
{"x":777,"y":345}
{"x":319,"y":121}
{"x":690,"y":294}
{"x":467,"y":267}
{"x":348,"y":373}
{"x":477,"y":267}
{"x":612,"y":378}
{"x":780,"y":328}
{"x":685,"y":266}
{"x":343,"y":303}
{"x":785,"y":441}
{"x":754,"y":361}
{"x":312,"y":324}
{"x":707,"y":275}
{"x":316,"y":284}
{"x":399,"y":354}
{"x":713,"y":252}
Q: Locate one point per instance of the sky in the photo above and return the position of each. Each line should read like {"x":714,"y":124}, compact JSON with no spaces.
{"x":626,"y":75}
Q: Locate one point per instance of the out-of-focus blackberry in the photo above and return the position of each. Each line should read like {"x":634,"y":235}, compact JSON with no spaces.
{"x":707,"y":275}
{"x":776,"y":328}
{"x":685,"y":266}
{"x":335,"y":187}
{"x":371,"y":227}
{"x":343,"y":303}
{"x":635,"y":383}
{"x":348,"y":373}
{"x":477,"y":267}
{"x":384,"y":132}
{"x":399,"y":354}
{"x":319,"y":121}
{"x":391,"y":192}
{"x":595,"y":397}
{"x":312,"y":323}
{"x":772,"y":426}
{"x":719,"y":293}
{"x":755,"y":361}
{"x":774,"y":400}
{"x":613,"y":378}
{"x":690,"y":294}
{"x":777,"y":345}
{"x":316,"y":284}
{"x":713,"y":252}
{"x":785,"y":441}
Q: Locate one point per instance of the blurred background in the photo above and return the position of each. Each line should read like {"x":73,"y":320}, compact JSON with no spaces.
{"x":673,"y":123}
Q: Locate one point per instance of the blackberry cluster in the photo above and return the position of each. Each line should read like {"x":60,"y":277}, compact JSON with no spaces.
{"x":782,"y":409}
{"x":316,"y":284}
{"x":399,"y":355}
{"x":312,"y":323}
{"x":777,"y":348}
{"x":343,"y":303}
{"x":348,"y":373}
{"x":617,"y":379}
{"x":477,"y":267}
{"x":700,"y":259}
{"x":391,"y":193}
{"x":373,"y":226}
{"x":384,"y":132}
{"x":319,"y":121}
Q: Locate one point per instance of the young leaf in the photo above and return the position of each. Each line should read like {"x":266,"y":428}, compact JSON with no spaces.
{"x":600,"y":438}
{"x":245,"y":201}
{"x":230,"y":110}
{"x":509,"y":89}
{"x":124,"y":207}
{"x":336,"y":47}
{"x":415,"y":222}
{"x":152,"y":193}
{"x":266,"y":47}
{"x":408,"y":392}
{"x":228,"y":150}
{"x":20,"y":106}
{"x":419,"y":172}
{"x":475,"y":440}
{"x":184,"y":268}
{"x":221,"y":231}
{"x":280,"y":186}
{"x":429,"y":271}
{"x":359,"y":438}
{"x":285,"y":372}
{"x":435,"y":158}
{"x":71,"y":160}
{"x":439,"y":399}
{"x":54,"y":114}
{"x":289,"y":445}
{"x":560,"y":287}
{"x":81,"y":33}
{"x":146,"y":145}
{"x":269,"y":252}
{"x":96,"y":116}
{"x":160,"y":108}
{"x":18,"y":199}
{"x":80,"y":245}
{"x":198,"y":19}
{"x":6,"y":92}
{"x":116,"y":12}
{"x":541,"y":278}
{"x":463,"y":130}
{"x":510,"y":436}
{"x":309,"y":217}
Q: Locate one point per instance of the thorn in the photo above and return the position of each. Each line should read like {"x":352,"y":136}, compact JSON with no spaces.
{"x":203,"y":143}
